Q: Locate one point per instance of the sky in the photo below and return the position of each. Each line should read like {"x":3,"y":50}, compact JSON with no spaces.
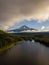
{"x":33,"y":13}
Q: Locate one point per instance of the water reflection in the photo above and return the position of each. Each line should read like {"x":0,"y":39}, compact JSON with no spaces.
{"x":27,"y":53}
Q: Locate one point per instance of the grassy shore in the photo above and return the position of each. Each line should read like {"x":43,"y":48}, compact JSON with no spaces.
{"x":8,"y":40}
{"x":43,"y":40}
{"x":3,"y":49}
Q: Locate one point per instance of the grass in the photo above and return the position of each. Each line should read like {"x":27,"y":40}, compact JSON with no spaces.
{"x":8,"y":40}
{"x":43,"y":40}
{"x":9,"y":46}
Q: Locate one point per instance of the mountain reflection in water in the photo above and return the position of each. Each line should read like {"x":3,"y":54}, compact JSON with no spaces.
{"x":26,"y":53}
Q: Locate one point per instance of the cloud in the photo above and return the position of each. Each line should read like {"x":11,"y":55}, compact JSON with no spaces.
{"x":43,"y":27}
{"x":13,"y":11}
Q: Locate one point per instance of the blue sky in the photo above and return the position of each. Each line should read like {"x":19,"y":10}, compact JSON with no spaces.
{"x":32,"y":24}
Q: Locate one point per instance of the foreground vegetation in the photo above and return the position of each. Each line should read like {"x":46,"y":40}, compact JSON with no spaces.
{"x":8,"y":40}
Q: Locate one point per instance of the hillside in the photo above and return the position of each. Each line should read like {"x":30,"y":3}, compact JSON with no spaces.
{"x":8,"y":39}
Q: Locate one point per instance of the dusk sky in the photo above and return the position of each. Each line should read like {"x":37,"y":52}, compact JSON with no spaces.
{"x":33,"y":13}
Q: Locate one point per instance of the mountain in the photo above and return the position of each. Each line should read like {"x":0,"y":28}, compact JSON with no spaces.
{"x":22,"y":28}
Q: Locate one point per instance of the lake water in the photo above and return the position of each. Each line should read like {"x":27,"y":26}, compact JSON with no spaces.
{"x":26,"y":53}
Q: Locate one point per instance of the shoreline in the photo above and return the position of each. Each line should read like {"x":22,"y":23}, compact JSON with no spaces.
{"x":2,"y":50}
{"x":46,"y":43}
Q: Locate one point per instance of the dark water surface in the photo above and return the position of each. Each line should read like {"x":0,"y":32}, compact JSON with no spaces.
{"x":27,"y":53}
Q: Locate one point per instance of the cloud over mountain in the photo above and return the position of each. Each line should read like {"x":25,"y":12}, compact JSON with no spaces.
{"x":13,"y":11}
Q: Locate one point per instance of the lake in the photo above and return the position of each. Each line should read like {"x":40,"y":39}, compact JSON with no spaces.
{"x":26,"y":53}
